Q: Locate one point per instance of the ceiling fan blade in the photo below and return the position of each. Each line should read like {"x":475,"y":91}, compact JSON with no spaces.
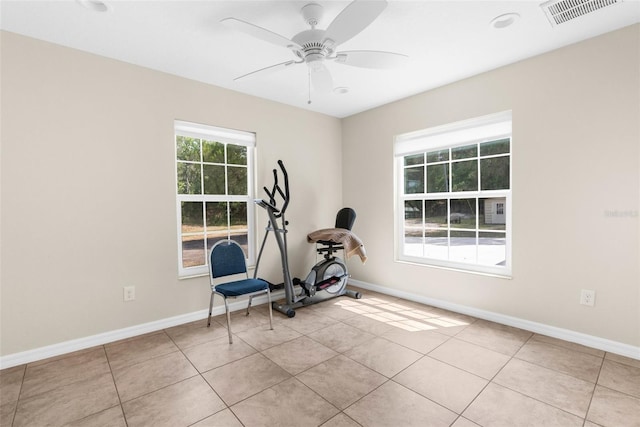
{"x":260,"y":33}
{"x":354,"y":18}
{"x":371,"y":59}
{"x":321,"y":78}
{"x":268,"y":70}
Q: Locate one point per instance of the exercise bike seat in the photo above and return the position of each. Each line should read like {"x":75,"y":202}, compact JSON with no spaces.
{"x":344,"y":219}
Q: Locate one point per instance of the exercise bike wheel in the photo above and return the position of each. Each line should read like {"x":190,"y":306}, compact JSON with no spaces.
{"x":291,"y":313}
{"x":337,"y":270}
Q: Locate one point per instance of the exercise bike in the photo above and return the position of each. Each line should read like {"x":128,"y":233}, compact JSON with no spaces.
{"x":328,"y":278}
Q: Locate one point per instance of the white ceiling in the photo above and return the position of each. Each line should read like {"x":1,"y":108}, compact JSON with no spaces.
{"x":445,"y":40}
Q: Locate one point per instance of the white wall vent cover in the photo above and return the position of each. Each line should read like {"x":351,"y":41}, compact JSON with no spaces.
{"x":561,"y":11}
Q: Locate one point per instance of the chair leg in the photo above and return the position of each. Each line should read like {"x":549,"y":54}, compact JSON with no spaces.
{"x":249,"y":305}
{"x":226,"y":308}
{"x":270,"y":311}
{"x":210,"y":308}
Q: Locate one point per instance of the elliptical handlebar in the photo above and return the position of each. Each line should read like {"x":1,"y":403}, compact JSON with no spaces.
{"x":272,"y":203}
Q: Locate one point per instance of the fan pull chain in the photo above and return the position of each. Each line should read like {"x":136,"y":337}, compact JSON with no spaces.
{"x":309,"y":75}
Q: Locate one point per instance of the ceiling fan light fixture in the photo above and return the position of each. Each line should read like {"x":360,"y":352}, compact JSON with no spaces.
{"x":505,"y":20}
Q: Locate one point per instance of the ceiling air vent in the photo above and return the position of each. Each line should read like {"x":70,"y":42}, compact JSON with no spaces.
{"x":561,"y":11}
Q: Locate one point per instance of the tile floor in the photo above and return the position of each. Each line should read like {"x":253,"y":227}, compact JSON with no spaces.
{"x":377,"y":361}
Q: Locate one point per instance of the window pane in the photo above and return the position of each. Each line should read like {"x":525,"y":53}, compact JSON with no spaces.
{"x":212,"y":152}
{"x":187,"y":148}
{"x":493,"y":213}
{"x":464,"y":176}
{"x":192,"y":217}
{"x":413,"y":243}
{"x":216,"y":216}
{"x":465,"y":152}
{"x":213,"y":238}
{"x":494,"y":173}
{"x":413,"y":227}
{"x":438,"y":178}
{"x":416,"y":159}
{"x":492,"y":249}
{"x":236,"y":154}
{"x":494,"y":147}
{"x":238,"y":215}
{"x":438,"y":156}
{"x":435,"y":213}
{"x":436,"y":244}
{"x":463,"y":246}
{"x":413,"y":211}
{"x":193,"y":251}
{"x":463,"y":213}
{"x":189,"y":179}
{"x":414,"y":180}
{"x":240,"y":237}
{"x":237,"y":180}
{"x":213,"y":179}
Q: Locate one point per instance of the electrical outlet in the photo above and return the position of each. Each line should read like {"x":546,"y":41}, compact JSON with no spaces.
{"x":588,"y":297}
{"x":129,"y":293}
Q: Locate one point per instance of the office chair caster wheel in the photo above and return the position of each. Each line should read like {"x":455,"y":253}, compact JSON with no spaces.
{"x":291,"y":313}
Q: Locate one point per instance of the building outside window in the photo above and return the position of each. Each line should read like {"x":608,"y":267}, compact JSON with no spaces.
{"x":214,"y":192}
{"x":453,"y":195}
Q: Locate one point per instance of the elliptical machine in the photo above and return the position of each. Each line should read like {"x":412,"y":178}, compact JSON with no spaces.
{"x":328,"y":278}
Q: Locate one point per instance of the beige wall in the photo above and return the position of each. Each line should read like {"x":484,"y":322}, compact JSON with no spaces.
{"x":88,"y":192}
{"x":88,"y":202}
{"x":576,"y":159}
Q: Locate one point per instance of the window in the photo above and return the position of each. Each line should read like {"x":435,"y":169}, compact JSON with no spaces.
{"x":453,"y":195}
{"x":214,"y":180}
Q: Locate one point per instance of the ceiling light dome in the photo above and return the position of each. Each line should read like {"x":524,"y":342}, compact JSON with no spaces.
{"x":95,"y":5}
{"x":504,"y":20}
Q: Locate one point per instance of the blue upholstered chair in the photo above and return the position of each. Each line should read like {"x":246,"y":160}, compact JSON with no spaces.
{"x":226,"y":259}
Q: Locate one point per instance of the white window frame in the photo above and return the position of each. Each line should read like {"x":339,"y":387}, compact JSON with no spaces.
{"x":477,"y":130}
{"x":226,"y":136}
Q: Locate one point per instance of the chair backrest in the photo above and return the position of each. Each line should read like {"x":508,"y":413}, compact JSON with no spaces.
{"x":226,"y":258}
{"x":345,"y":218}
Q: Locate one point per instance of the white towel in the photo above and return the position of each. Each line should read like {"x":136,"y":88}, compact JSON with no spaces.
{"x":352,"y":244}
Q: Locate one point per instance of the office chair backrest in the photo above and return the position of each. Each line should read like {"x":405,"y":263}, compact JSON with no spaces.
{"x":345,"y":218}
{"x":227,"y":258}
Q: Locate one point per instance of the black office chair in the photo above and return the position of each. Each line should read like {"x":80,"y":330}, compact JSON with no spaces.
{"x":225,"y":259}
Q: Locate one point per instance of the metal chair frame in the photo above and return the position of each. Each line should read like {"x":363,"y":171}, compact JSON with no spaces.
{"x":237,"y":288}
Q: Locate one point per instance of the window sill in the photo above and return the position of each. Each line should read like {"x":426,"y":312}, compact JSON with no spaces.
{"x":506,"y":275}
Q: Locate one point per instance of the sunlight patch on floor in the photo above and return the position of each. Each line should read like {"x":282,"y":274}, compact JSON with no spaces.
{"x":398,"y":315}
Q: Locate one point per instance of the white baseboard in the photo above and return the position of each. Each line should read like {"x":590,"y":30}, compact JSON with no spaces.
{"x":111,"y":336}
{"x":551,"y":331}
{"x":107,"y":337}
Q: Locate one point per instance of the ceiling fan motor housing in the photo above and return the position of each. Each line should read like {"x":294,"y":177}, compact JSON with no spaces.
{"x":314,"y":47}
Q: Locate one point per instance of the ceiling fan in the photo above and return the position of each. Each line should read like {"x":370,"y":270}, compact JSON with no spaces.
{"x":315,"y":46}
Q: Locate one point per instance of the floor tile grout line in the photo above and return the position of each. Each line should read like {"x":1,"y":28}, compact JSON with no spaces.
{"x":536,"y":363}
{"x":584,"y":418}
{"x":388,"y":379}
{"x":15,"y":410}
{"x":593,"y":392}
{"x":201,"y":374}
{"x":115,"y":385}
{"x":541,"y":401}
{"x":24,"y":378}
{"x":491,"y":380}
